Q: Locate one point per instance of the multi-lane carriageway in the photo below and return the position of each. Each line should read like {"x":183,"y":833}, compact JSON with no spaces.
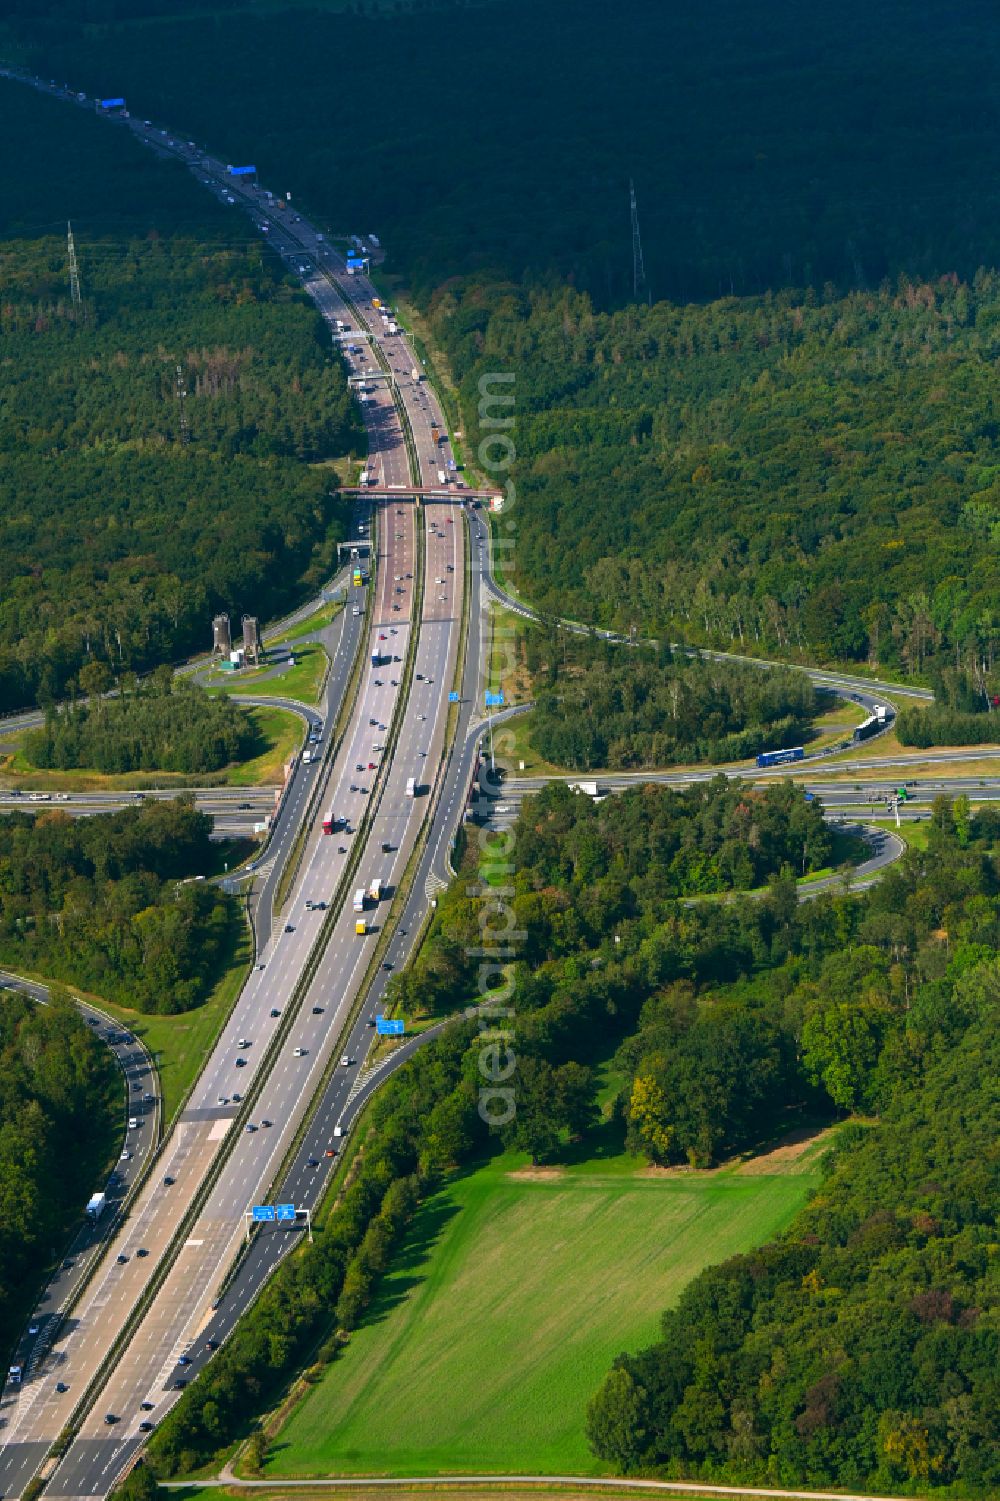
{"x":292,"y":1036}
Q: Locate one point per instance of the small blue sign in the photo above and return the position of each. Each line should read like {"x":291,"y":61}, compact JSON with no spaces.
{"x":285,"y":1211}
{"x":112,"y":103}
{"x":453,"y":697}
{"x":386,"y":1026}
{"x":809,"y":797}
{"x":263,"y":1211}
{"x":493,"y":700}
{"x":242,"y":171}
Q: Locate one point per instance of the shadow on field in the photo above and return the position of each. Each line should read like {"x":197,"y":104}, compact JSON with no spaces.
{"x":409,"y":1263}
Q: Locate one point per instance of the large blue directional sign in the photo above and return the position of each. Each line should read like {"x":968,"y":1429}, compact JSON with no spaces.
{"x":112,"y":103}
{"x":388,"y":1027}
{"x":453,"y":697}
{"x":263,"y":1211}
{"x":285,"y":1211}
{"x":493,"y":700}
{"x":242,"y":171}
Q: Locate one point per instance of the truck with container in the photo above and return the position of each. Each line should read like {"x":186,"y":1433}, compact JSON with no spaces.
{"x":393,"y":326}
{"x":375,"y":890}
{"x":442,"y":477}
{"x":411,"y":786}
{"x":330,"y":821}
{"x":416,"y":375}
{"x":435,"y":436}
{"x":591,"y":789}
{"x":14,"y":1374}
{"x":359,"y":900}
{"x":96,"y":1205}
{"x":361,"y":927}
{"x":780,"y":757}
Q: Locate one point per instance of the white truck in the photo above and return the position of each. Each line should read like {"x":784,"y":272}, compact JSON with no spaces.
{"x":375,"y":890}
{"x":96,"y":1205}
{"x":411,"y":786}
{"x":591,"y":789}
{"x":359,"y":901}
{"x":393,"y":326}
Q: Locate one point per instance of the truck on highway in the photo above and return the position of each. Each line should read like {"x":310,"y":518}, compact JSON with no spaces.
{"x":361,"y":927}
{"x":442,"y":477}
{"x":96,"y":1205}
{"x":359,"y":900}
{"x":592,"y":789}
{"x":435,"y":436}
{"x":416,"y":375}
{"x":14,"y":1374}
{"x":393,"y":326}
{"x":780,"y":757}
{"x":376,"y":657}
{"x":307,"y":756}
{"x":375,"y":890}
{"x":376,"y":302}
{"x":330,"y":821}
{"x":411,"y":786}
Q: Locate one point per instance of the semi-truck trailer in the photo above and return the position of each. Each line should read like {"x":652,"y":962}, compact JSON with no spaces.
{"x":442,"y":477}
{"x":411,"y":786}
{"x":96,"y":1205}
{"x":329,"y":822}
{"x":375,"y":890}
{"x":359,"y":901}
{"x":361,"y":927}
{"x":780,"y":757}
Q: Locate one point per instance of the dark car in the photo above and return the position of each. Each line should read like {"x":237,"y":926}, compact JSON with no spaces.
{"x":146,"y":1406}
{"x":317,"y":1011}
{"x":110,"y":1419}
{"x":266,"y":1124}
{"x":313,"y":1162}
{"x":241,"y":1063}
{"x":145,"y":1426}
{"x":142,"y":1251}
{"x":275,"y":1011}
{"x":179,"y":1384}
{"x":168,"y":1182}
{"x":183,"y":1360}
{"x":121,"y":1258}
{"x":289,"y":928}
{"x":61,"y":1386}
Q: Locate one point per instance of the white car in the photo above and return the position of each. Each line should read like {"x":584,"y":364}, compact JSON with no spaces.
{"x":299,"y":1053}
{"x":346,"y":1060}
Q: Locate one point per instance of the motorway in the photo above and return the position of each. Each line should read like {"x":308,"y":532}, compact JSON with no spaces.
{"x":282,"y":1035}
{"x":313,"y":989}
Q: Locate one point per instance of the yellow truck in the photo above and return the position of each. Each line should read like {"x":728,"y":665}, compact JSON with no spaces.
{"x":361,"y":927}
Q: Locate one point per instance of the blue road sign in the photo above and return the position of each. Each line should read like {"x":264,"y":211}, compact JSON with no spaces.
{"x":493,"y":700}
{"x":387,"y":1027}
{"x":285,"y":1211}
{"x":453,"y":697}
{"x":263,"y":1211}
{"x":242,"y":171}
{"x":809,"y":797}
{"x":112,"y":103}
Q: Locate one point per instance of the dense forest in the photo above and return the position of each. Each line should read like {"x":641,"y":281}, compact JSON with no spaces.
{"x":120,"y":535}
{"x":60,"y":1101}
{"x":757,"y":1015}
{"x":769,"y":145}
{"x":758,"y":452}
{"x":108,"y":903}
{"x":599,"y":706}
{"x":162,"y":724}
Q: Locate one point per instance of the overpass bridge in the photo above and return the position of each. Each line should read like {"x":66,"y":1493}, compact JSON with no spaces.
{"x":408,"y":492}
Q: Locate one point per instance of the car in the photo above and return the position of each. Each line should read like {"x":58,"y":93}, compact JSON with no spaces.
{"x":211,"y":1344}
{"x":183,"y":1360}
{"x":179,"y":1384}
{"x":146,"y":1406}
{"x":236,"y":1098}
{"x":142,"y":1251}
{"x":69,"y":1262}
{"x":312,"y":1162}
{"x":363,"y":791}
{"x":125,"y":1156}
{"x":266,"y":1125}
{"x":32,"y":1328}
{"x":145,"y":1426}
{"x":289,"y":928}
{"x":387,"y":964}
{"x":134,"y":1123}
{"x":169,"y":1182}
{"x":354,"y":786}
{"x":371,"y":766}
{"x":250,"y":1128}
{"x":419,"y":676}
{"x":61,"y":1386}
{"x":317,"y":1011}
{"x":244,"y":806}
{"x":222,"y":1099}
{"x":421,"y":716}
{"x":298,"y":1052}
{"x":245,"y":1042}
{"x":359,"y":767}
{"x":110,"y":1419}
{"x":275,"y":1011}
{"x":241,"y":1063}
{"x":381,"y":638}
{"x":346,"y":1060}
{"x":395,"y":682}
{"x":319,"y":906}
{"x":121,"y":1258}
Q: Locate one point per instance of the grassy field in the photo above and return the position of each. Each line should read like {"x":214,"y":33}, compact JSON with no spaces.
{"x":303,"y":681}
{"x":282,"y":734}
{"x":512,"y":1294}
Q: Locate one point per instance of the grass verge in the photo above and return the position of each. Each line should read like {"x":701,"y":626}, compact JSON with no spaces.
{"x":563,"y":1268}
{"x":303,"y":681}
{"x":180,"y":1044}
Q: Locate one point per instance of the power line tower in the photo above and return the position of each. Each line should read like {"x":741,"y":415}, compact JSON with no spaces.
{"x":639,"y":287}
{"x":182,"y":407}
{"x":74,"y":270}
